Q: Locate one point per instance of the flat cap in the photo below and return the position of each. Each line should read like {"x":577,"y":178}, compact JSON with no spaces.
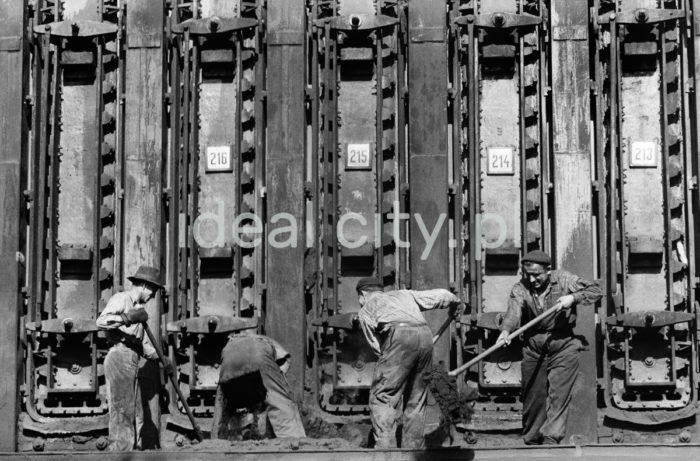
{"x":369,"y":282}
{"x":537,"y":257}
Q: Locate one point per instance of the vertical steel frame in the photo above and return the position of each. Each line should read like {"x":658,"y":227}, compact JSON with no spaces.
{"x":14,"y":67}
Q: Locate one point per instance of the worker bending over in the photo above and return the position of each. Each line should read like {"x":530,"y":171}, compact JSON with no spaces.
{"x":123,"y":319}
{"x":398,"y":333}
{"x":550,"y":350}
{"x":252,"y":371}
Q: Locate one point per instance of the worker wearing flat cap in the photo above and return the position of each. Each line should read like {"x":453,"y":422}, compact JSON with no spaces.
{"x":123,"y":319}
{"x":396,"y":330}
{"x":550,"y":350}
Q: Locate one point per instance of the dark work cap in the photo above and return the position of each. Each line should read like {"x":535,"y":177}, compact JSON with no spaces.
{"x":537,"y":257}
{"x":369,"y":282}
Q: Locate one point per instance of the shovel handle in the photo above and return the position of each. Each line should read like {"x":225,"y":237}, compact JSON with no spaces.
{"x":442,"y":328}
{"x":498,"y":344}
{"x":176,"y":386}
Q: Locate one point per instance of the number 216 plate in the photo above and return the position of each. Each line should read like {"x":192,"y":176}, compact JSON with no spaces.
{"x":218,"y":159}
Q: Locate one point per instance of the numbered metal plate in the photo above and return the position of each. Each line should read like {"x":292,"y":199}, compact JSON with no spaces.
{"x":644,"y":154}
{"x":500,"y":160}
{"x":358,"y":157}
{"x":218,"y":159}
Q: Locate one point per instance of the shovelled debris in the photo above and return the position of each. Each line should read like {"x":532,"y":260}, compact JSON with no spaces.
{"x":455,"y":407}
{"x":267,"y":445}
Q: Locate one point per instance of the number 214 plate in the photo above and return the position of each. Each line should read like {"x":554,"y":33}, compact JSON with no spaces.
{"x":500,"y":160}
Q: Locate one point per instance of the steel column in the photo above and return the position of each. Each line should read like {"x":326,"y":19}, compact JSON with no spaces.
{"x":144,"y":158}
{"x":573,"y":245}
{"x":13,"y":129}
{"x":285,"y":318}
{"x":427,"y":151}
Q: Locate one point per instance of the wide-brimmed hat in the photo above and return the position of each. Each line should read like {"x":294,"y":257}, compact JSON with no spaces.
{"x":148,"y":274}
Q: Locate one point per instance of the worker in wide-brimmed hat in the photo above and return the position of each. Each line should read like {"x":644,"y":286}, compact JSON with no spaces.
{"x":399,"y":334}
{"x":550,"y":349}
{"x":123,"y":320}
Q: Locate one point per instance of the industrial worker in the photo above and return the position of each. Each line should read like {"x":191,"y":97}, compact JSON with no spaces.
{"x":123,"y":319}
{"x":398,"y":333}
{"x":253,"y":370}
{"x":550,"y":350}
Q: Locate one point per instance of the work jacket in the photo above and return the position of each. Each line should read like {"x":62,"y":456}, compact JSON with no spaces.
{"x":524,"y":304}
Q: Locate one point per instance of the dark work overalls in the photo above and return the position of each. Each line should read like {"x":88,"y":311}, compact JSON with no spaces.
{"x":550,"y":363}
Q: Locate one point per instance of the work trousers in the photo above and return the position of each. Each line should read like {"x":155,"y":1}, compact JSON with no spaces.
{"x":131,"y":384}
{"x":549,"y":370}
{"x":242,"y":391}
{"x":406,"y":351}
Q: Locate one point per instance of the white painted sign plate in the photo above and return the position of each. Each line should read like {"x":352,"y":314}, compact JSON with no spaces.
{"x":218,"y":159}
{"x":358,"y":157}
{"x":644,"y":154}
{"x":500,"y":160}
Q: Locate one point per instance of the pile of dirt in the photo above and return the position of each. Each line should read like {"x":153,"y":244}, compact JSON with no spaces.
{"x":303,"y":444}
{"x":454,"y":406}
{"x":316,"y":427}
{"x":323,"y":426}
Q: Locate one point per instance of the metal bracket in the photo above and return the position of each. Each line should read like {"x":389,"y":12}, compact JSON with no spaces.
{"x":355,"y":22}
{"x":499,"y":20}
{"x":214,"y":25}
{"x":63,"y":326}
{"x":642,"y":16}
{"x":649,"y":319}
{"x":212,"y":324}
{"x":77,"y":29}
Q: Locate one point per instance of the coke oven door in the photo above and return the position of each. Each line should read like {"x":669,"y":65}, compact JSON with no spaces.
{"x":74,"y":215}
{"x":643,"y":141}
{"x":501,"y":157}
{"x":357,"y":120}
{"x":215,"y":193}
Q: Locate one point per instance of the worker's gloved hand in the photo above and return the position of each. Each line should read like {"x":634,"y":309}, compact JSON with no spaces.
{"x":503,"y":337}
{"x":168,"y":367}
{"x":456,"y":310}
{"x":565,"y":302}
{"x":135,"y":316}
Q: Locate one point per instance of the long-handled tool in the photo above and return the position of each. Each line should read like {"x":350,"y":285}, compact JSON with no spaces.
{"x":500,"y":343}
{"x":442,"y":328}
{"x":171,"y":374}
{"x":446,"y":324}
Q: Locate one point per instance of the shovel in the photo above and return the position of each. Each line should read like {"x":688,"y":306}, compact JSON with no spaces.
{"x":173,"y":381}
{"x":442,"y":328}
{"x":500,"y":343}
{"x":443,"y":385}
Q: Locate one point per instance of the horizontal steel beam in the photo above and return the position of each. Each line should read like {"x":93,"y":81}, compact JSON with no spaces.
{"x":585,"y":452}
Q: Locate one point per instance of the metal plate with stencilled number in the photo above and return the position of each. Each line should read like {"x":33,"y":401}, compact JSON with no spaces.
{"x":218,"y":159}
{"x":644,"y":154}
{"x":358,"y":157}
{"x":500,"y":160}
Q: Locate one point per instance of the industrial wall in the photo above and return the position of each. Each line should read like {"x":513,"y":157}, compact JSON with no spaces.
{"x":267,"y":154}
